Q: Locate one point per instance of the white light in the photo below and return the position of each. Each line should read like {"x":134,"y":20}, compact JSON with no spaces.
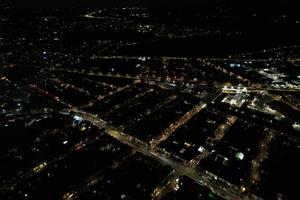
{"x":201,"y":149}
{"x":239,"y":156}
{"x":77,"y":118}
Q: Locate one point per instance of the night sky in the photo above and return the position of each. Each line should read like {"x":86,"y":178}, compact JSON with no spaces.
{"x":149,"y":3}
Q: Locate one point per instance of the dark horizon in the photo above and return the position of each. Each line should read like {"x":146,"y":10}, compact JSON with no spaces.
{"x":267,"y":4}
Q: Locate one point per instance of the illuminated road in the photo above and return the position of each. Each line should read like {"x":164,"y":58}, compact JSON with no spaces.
{"x":279,"y":98}
{"x":217,"y":185}
{"x":255,"y":176}
{"x":139,"y":95}
{"x":220,"y":132}
{"x":159,"y":80}
{"x":166,"y":186}
{"x":175,"y":125}
{"x":50,"y":95}
{"x":98,"y":98}
{"x":67,"y":85}
{"x":152,"y":110}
